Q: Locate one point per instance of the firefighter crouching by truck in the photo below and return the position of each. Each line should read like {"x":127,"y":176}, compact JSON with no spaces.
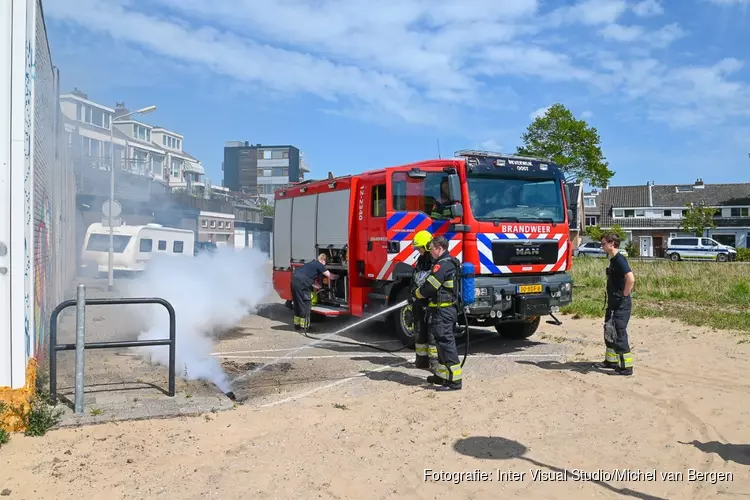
{"x":425,"y":347}
{"x":442,"y":311}
{"x":302,"y":283}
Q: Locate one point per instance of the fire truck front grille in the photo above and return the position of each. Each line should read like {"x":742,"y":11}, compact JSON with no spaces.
{"x":517,"y":252}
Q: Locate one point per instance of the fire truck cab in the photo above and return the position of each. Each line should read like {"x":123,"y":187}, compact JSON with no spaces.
{"x":507,"y":215}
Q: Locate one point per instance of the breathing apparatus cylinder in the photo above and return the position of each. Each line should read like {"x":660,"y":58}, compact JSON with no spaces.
{"x":467,"y":283}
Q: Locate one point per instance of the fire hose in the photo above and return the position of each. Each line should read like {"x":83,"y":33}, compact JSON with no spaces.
{"x":420,"y":279}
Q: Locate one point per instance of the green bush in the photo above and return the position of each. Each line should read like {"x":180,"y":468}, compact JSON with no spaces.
{"x":743,"y":254}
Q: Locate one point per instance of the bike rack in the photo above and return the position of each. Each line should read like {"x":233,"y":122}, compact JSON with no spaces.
{"x":55,"y":347}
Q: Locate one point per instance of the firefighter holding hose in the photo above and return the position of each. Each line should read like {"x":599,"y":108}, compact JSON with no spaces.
{"x":302,"y":283}
{"x":440,"y":290}
{"x":425,"y":346}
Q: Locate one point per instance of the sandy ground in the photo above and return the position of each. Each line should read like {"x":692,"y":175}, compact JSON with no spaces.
{"x":335,"y":421}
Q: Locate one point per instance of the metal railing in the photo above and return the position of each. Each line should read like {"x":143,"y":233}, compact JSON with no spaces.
{"x":80,"y":345}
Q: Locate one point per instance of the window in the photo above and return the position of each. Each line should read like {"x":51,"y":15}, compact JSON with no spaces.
{"x":667,"y":213}
{"x":739,"y":212}
{"x":277,"y":154}
{"x":278,"y":171}
{"x":163,"y":140}
{"x":708,"y":242}
{"x":590,"y":220}
{"x":157,"y":164}
{"x":176,"y":167}
{"x":229,"y":225}
{"x":417,"y":195}
{"x":589,"y":202}
{"x":640,"y":213}
{"x":629,"y":213}
{"x":141,"y":132}
{"x":496,"y":197}
{"x":162,"y":245}
{"x":267,"y":154}
{"x":221,"y":224}
{"x":285,"y":154}
{"x":377,"y":207}
{"x":690,"y":242}
{"x":177,"y":247}
{"x":146,"y":244}
{"x":100,"y":243}
{"x":204,"y":223}
{"x":213,"y":223}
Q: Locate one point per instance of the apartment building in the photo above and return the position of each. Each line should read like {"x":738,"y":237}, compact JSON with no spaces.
{"x":258,"y":169}
{"x":650,"y":214}
{"x":139,"y":148}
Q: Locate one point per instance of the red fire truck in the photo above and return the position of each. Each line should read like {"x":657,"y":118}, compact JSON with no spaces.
{"x":507,"y":215}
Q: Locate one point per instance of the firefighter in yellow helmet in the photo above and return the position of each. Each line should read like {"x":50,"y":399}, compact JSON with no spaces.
{"x":425,"y":345}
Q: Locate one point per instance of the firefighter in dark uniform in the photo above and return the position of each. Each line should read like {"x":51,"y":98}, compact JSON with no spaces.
{"x":620,"y":281}
{"x":302,"y":283}
{"x":424,"y":346}
{"x":442,"y":209}
{"x":442,"y":307}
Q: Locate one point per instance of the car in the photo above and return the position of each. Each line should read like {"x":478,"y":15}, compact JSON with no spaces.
{"x":593,"y":249}
{"x":695,"y":248}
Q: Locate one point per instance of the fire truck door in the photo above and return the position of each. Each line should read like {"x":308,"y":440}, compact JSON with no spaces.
{"x":371,"y":215}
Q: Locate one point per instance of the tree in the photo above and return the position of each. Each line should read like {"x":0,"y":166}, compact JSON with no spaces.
{"x":696,"y":219}
{"x":596,"y":233}
{"x":267,"y":210}
{"x":572,"y":144}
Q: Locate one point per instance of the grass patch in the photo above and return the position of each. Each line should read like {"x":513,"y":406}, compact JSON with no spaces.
{"x":698,"y":293}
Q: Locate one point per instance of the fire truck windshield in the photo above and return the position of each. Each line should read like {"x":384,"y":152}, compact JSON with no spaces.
{"x":495,"y":198}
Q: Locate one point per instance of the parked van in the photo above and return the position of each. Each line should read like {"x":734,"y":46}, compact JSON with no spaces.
{"x":692,"y":248}
{"x":133,"y":246}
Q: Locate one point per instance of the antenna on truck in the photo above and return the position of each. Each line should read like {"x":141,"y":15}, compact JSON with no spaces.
{"x":438,"y":146}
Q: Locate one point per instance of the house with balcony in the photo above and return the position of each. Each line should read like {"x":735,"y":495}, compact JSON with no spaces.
{"x":650,"y":214}
{"x":144,"y":150}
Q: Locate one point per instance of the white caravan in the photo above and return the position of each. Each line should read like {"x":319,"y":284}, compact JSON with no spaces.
{"x":133,"y":246}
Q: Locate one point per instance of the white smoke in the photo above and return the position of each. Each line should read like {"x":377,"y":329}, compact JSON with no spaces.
{"x":209,"y":292}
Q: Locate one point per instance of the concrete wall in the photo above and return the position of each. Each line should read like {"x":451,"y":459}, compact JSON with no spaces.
{"x":41,"y":217}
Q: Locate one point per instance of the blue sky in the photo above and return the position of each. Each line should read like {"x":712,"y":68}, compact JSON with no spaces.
{"x":666,"y":83}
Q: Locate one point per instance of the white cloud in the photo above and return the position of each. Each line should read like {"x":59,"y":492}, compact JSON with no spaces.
{"x":414,"y":60}
{"x":539,"y":113}
{"x":587,"y":114}
{"x":491,"y":145}
{"x":648,"y":8}
{"x":660,"y":38}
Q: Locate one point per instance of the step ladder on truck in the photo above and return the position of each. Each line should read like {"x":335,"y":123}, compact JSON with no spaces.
{"x":506,"y":216}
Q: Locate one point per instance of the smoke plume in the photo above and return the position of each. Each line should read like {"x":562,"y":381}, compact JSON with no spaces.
{"x":209,"y":292}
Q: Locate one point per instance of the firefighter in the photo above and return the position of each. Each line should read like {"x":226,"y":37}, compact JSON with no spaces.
{"x":302,"y":283}
{"x":620,"y":281}
{"x":442,"y":209}
{"x":425,"y":342}
{"x":442,"y":307}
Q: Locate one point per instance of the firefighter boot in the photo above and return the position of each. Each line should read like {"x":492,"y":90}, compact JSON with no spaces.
{"x":422,"y":362}
{"x":450,"y":386}
{"x":610,"y":360}
{"x":434,"y":379}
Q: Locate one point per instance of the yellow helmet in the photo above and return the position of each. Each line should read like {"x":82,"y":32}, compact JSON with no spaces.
{"x":422,"y":239}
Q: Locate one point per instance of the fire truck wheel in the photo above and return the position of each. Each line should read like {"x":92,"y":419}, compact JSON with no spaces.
{"x":400,"y":320}
{"x":518,"y":329}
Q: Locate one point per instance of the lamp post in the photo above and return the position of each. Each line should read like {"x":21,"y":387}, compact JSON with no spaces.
{"x":111,"y":283}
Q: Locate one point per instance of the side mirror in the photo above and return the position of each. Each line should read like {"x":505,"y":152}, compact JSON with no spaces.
{"x":457,"y":210}
{"x":416,"y":174}
{"x":454,"y":188}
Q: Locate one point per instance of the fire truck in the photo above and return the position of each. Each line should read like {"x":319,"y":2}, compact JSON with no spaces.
{"x":508,"y":215}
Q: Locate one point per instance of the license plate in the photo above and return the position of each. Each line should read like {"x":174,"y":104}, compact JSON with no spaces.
{"x":529,"y":288}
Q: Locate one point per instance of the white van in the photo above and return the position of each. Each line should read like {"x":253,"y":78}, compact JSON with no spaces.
{"x":133,"y":246}
{"x":693,"y":248}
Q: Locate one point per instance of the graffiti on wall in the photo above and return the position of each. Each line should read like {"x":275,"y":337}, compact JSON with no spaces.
{"x":42,"y":269}
{"x":28,"y":189}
